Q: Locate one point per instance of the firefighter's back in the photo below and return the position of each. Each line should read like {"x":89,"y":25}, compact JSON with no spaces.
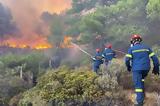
{"x":140,"y":57}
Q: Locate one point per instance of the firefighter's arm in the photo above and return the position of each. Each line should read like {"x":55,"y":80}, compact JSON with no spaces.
{"x":93,"y":58}
{"x":127,"y":62}
{"x":99,"y":57}
{"x":155,"y":62}
{"x":114,"y":53}
{"x":103,"y":55}
{"x":128,"y":58}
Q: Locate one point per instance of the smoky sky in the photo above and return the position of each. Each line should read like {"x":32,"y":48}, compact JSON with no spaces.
{"x":25,"y":15}
{"x":47,"y":17}
{"x":7,"y":26}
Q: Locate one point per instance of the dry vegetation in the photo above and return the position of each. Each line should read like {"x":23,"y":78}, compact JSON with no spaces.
{"x":77,"y":87}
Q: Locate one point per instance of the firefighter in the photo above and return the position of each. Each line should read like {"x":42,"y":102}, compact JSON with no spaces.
{"x":108,"y":54}
{"x":97,"y":60}
{"x":138,"y":60}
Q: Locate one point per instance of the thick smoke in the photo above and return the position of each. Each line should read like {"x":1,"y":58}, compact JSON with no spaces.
{"x":7,"y":26}
{"x":47,"y":17}
{"x":27,"y":15}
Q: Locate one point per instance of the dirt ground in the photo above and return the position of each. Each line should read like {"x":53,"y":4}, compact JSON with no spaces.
{"x":151,"y":99}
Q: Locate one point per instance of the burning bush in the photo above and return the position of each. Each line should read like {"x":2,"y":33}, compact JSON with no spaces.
{"x":75,"y":87}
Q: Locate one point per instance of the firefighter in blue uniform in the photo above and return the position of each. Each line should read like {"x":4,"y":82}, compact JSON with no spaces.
{"x":98,"y":60}
{"x":108,"y":54}
{"x":138,"y":60}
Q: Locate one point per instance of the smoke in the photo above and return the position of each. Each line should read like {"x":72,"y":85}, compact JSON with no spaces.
{"x":47,"y":17}
{"x":7,"y":26}
{"x":27,"y":15}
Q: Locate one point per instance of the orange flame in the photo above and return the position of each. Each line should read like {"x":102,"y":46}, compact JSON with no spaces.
{"x":27,"y":16}
{"x":67,"y":42}
{"x":39,"y":43}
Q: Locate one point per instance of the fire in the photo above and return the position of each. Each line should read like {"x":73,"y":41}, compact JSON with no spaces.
{"x":39,"y":43}
{"x":39,"y":47}
{"x":67,"y":42}
{"x":27,"y":17}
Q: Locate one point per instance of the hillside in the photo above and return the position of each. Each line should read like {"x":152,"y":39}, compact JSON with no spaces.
{"x":46,"y":51}
{"x":81,"y":86}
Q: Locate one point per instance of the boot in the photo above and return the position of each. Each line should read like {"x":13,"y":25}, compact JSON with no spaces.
{"x":139,"y":104}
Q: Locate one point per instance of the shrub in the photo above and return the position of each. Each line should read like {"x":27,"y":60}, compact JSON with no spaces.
{"x":77,"y":86}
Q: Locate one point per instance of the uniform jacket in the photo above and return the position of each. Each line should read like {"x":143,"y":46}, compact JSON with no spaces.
{"x":98,"y":58}
{"x":108,"y":54}
{"x":138,"y":58}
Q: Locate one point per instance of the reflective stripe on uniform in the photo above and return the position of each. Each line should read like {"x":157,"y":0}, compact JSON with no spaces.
{"x":140,"y":50}
{"x":151,"y":54}
{"x":138,"y":90}
{"x":142,"y":80}
{"x":109,"y":53}
{"x":129,"y":55}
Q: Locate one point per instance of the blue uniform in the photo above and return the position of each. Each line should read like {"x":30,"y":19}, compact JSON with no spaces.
{"x":138,"y":58}
{"x":108,"y":55}
{"x":97,"y":61}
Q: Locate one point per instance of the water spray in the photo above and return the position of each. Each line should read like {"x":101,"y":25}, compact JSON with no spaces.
{"x":78,"y":47}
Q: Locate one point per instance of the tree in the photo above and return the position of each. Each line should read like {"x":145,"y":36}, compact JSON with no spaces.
{"x":115,"y":22}
{"x":57,"y":30}
{"x":153,"y":9}
{"x":81,"y":5}
{"x":73,"y":22}
{"x":153,"y":15}
{"x":107,"y":2}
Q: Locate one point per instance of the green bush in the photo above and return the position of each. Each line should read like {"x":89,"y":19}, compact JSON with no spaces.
{"x":78,"y":86}
{"x":10,"y":65}
{"x":32,"y":60}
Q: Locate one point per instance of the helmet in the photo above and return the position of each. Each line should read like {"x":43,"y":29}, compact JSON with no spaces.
{"x":97,"y":50}
{"x":108,"y":45}
{"x":136,"y":38}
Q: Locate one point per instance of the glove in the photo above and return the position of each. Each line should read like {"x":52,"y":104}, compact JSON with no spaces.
{"x":128,"y":68}
{"x":93,"y":58}
{"x":155,"y":71}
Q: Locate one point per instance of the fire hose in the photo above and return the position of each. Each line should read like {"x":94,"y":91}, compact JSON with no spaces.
{"x":119,"y":51}
{"x":78,"y":47}
{"x":81,"y":49}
